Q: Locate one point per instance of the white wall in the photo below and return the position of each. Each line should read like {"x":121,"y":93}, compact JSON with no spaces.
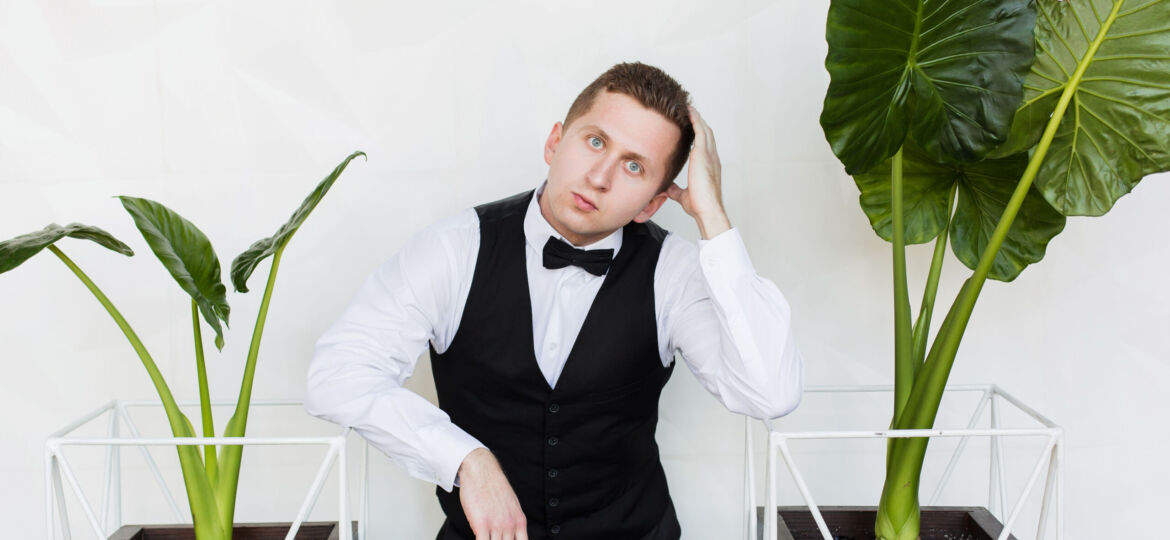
{"x":230,"y":112}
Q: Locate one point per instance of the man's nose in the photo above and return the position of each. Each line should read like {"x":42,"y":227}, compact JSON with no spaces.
{"x":601,"y":175}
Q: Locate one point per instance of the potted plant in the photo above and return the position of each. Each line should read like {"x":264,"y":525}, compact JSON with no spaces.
{"x":985,"y":124}
{"x":211,"y":479}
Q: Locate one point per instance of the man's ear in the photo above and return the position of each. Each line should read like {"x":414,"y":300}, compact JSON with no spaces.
{"x":550,"y":146}
{"x":651,"y":208}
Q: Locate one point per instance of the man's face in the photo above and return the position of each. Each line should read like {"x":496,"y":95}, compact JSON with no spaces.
{"x":606,"y":169}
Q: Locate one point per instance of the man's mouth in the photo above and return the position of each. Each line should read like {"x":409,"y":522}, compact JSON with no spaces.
{"x":584,"y":204}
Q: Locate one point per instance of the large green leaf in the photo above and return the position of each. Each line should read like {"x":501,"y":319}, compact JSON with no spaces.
{"x":245,"y":263}
{"x":948,"y":71}
{"x":984,"y":189}
{"x":187,"y":254}
{"x":14,"y":251}
{"x":1117,"y":126}
{"x":925,"y":188}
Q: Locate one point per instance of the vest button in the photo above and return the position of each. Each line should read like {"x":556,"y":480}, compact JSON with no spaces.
{"x":554,"y":501}
{"x":554,"y":408}
{"x":555,"y":529}
{"x":552,"y":441}
{"x":552,"y":473}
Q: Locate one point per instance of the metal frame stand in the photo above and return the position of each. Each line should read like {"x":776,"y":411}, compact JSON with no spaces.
{"x":1053,"y":455}
{"x":57,"y":467}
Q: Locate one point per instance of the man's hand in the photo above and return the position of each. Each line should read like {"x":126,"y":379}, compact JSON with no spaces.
{"x":703,"y":197}
{"x":488,"y":501}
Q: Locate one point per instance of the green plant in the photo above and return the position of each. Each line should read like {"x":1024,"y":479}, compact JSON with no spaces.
{"x":985,"y":123}
{"x":211,"y":480}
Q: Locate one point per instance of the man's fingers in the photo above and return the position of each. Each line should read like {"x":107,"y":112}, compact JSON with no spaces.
{"x":701,"y":128}
{"x":697,"y":125}
{"x":674,"y":192}
{"x":522,"y":534}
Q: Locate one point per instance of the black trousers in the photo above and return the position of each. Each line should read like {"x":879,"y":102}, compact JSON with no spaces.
{"x":667,"y":529}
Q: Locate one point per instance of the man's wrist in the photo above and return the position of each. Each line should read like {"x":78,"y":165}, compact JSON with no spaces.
{"x":474,"y":463}
{"x":712,"y":224}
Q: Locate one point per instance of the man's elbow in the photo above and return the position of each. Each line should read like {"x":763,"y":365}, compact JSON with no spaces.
{"x":318,"y":397}
{"x":790,"y":389}
{"x":784,"y":405}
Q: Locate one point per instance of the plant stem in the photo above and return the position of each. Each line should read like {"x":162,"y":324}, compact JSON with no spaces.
{"x":199,"y":491}
{"x":204,"y":397}
{"x":922,"y":326}
{"x":904,"y":366}
{"x":230,"y":459}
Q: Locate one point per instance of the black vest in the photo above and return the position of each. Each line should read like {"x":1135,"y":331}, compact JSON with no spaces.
{"x":581,"y":457}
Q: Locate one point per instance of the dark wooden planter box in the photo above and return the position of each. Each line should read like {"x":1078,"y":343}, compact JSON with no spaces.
{"x":856,"y":523}
{"x":310,"y":530}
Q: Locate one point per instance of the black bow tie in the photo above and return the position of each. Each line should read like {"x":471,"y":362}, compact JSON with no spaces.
{"x":559,"y":254}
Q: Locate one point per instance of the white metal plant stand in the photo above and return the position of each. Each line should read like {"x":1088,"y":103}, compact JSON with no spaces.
{"x":57,"y":466}
{"x":1053,"y":455}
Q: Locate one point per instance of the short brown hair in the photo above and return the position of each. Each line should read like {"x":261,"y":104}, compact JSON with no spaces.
{"x":656,"y":91}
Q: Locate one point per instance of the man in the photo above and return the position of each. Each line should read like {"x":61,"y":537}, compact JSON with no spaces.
{"x":549,"y":358}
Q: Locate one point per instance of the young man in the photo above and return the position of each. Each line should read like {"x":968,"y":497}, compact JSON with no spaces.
{"x":549,"y":358}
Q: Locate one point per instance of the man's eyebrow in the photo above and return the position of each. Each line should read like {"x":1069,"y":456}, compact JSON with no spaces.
{"x":633,"y":155}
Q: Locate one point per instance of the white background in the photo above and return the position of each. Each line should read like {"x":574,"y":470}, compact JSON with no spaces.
{"x":230,"y":113}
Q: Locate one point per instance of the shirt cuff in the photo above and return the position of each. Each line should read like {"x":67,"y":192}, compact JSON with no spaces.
{"x":725,"y":255}
{"x":448,"y":445}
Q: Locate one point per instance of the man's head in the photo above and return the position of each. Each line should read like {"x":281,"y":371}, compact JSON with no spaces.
{"x":624,"y":140}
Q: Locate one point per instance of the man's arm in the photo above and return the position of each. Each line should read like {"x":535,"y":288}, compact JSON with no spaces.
{"x":356,"y":375}
{"x":731,"y":326}
{"x":361,"y":362}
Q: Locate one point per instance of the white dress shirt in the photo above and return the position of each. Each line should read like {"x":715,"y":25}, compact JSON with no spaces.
{"x":731,"y":327}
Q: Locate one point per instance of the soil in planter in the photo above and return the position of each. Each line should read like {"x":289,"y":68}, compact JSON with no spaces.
{"x":251,"y":531}
{"x":856,"y":523}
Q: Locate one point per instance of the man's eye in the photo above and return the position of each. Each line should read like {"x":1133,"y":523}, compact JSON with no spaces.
{"x":598,"y":145}
{"x":635,"y":167}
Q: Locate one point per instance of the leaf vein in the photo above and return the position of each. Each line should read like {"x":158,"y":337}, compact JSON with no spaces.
{"x":1056,"y":32}
{"x":952,"y":37}
{"x":1136,"y":9}
{"x":1123,"y":103}
{"x":1122,"y":135}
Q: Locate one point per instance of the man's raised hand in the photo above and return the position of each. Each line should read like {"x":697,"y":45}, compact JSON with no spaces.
{"x":703,"y":197}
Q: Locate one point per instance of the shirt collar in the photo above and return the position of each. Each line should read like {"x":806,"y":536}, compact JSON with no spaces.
{"x":537,"y":229}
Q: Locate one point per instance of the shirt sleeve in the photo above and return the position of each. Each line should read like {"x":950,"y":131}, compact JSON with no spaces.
{"x":732,"y":327}
{"x":360,"y":363}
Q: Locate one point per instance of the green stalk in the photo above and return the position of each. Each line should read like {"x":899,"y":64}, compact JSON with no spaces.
{"x":199,"y":493}
{"x":900,"y":494}
{"x":225,"y":491}
{"x":922,"y":326}
{"x":904,"y":366}
{"x":204,"y":397}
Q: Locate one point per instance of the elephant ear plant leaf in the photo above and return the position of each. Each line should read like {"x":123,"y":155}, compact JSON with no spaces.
{"x":1119,"y":115}
{"x":246,"y":262}
{"x":15,"y":251}
{"x":211,"y":481}
{"x":956,"y":117}
{"x":187,"y":254}
{"x":983,"y":190}
{"x":905,"y":66}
